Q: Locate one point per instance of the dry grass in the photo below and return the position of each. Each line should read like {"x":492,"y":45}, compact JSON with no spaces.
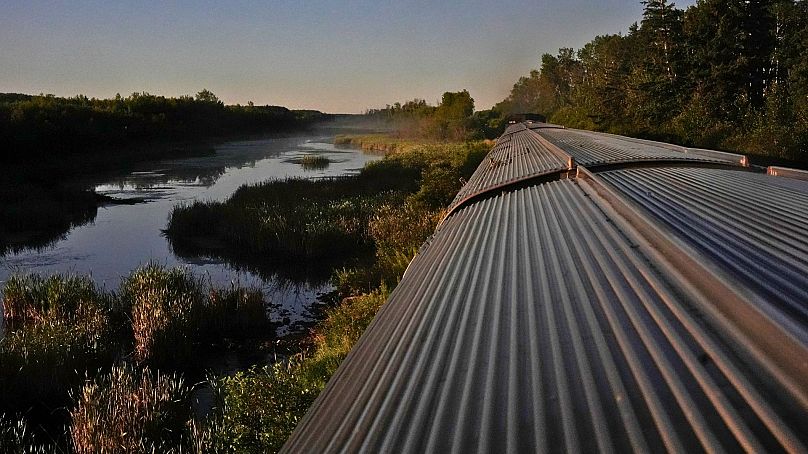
{"x":127,"y":412}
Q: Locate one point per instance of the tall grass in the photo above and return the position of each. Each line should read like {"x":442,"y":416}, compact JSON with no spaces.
{"x":130,"y":411}
{"x":163,"y":316}
{"x":34,"y":298}
{"x":63,"y":330}
{"x":324,"y":221}
{"x":257,"y":409}
{"x":314,"y":162}
{"x":57,"y":328}
{"x":165,"y":306}
{"x":172,"y":312}
{"x":17,"y":438}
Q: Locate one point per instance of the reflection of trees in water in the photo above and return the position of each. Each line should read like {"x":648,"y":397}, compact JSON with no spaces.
{"x":296,"y":278}
{"x":286,"y":274}
{"x":34,"y":216}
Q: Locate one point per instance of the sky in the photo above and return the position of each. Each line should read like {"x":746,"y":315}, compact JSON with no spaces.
{"x":332,"y":56}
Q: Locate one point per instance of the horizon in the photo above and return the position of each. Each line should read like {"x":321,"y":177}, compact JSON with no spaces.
{"x":335,"y":59}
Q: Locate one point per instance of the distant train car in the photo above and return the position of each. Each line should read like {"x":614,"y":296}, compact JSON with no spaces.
{"x":527,"y":117}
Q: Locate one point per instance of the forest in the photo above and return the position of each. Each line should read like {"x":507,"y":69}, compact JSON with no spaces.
{"x":54,"y":127}
{"x":725,"y":74}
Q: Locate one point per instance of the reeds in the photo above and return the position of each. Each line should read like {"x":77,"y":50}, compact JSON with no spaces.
{"x":131,"y":411}
{"x":57,"y":327}
{"x":173,"y":312}
{"x":314,"y":162}
{"x":60,"y":330}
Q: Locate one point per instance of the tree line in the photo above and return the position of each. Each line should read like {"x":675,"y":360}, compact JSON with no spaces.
{"x":51,"y":126}
{"x":727,"y":74}
{"x":453,"y":119}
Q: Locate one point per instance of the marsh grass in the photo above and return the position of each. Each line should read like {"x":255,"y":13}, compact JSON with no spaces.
{"x":174,"y":312}
{"x":314,"y":162}
{"x":36,"y":298}
{"x":63,"y":331}
{"x":257,"y":409}
{"x":16,"y":437}
{"x":325,"y":221}
{"x":287,"y":221}
{"x":389,"y":209}
{"x":132,"y":411}
{"x":56,"y":328}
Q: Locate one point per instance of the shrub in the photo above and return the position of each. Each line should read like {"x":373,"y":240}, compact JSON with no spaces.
{"x":337,"y":333}
{"x":258,"y":409}
{"x":398,"y":232}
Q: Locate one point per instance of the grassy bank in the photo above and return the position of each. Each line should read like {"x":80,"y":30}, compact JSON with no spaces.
{"x":326,"y":224}
{"x":257,"y":409}
{"x":63,"y":334}
{"x":130,"y":353}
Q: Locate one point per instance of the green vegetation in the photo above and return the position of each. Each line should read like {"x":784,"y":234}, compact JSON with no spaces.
{"x":48,"y":144}
{"x":130,"y":411}
{"x":722,"y":74}
{"x":56,"y":328}
{"x":323,"y":221}
{"x":314,"y":162}
{"x":120,"y":355}
{"x":172,"y":312}
{"x":453,"y":119}
{"x":61,"y":331}
{"x":67,"y":337}
{"x":258,"y":409}
{"x":51,"y":127}
{"x":406,"y":193}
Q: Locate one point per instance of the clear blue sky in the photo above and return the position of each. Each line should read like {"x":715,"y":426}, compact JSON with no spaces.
{"x":328,"y":55}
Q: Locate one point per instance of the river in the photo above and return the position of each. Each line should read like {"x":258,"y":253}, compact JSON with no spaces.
{"x":124,"y":237}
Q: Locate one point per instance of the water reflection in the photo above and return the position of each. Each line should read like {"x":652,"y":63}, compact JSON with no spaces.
{"x":125,"y":232}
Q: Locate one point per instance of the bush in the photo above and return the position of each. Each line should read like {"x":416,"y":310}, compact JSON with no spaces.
{"x":398,"y":232}
{"x":258,"y":409}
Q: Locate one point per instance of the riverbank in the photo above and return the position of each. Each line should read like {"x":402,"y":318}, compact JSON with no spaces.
{"x":256,"y":409}
{"x":418,"y":180}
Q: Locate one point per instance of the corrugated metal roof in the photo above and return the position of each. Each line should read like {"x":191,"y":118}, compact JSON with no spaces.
{"x":516,"y":127}
{"x":539,"y":125}
{"x":752,"y":226}
{"x":529,"y":322}
{"x":522,"y":156}
{"x":592,"y":148}
{"x":788,"y":173}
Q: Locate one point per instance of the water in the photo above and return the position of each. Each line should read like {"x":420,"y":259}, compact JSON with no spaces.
{"x":123,"y":237}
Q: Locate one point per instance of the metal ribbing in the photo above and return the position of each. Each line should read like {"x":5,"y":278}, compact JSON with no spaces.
{"x":590,"y":148}
{"x":521,"y":156}
{"x":529,"y":322}
{"x":753,"y":226}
